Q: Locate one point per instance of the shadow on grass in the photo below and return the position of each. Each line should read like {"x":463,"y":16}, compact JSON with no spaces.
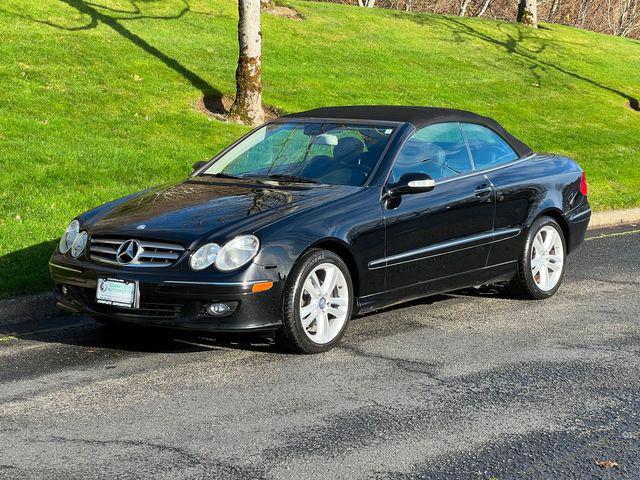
{"x":97,"y":15}
{"x":26,"y":271}
{"x":512,"y":44}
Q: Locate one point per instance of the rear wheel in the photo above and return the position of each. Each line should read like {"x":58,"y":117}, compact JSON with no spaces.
{"x":541,"y":264}
{"x":318,"y":301}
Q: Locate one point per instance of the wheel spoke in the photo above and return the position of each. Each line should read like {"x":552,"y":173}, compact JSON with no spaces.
{"x":337,"y":301}
{"x":550,"y":239}
{"x":555,"y":267}
{"x":322,"y":326}
{"x":316,"y":283}
{"x":311,"y":289}
{"x":336,"y":312}
{"x":306,"y":322}
{"x":555,"y":259}
{"x":308,"y":310}
{"x":544,"y":278}
{"x":330,"y":280}
{"x":538,"y":245}
{"x":536,"y":263}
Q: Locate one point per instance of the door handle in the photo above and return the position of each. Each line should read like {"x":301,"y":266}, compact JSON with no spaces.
{"x":483,"y":190}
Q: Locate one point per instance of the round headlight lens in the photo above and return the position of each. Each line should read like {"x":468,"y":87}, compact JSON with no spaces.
{"x":78,"y":244}
{"x":69,"y":236}
{"x":236,"y":252}
{"x":204,"y":256}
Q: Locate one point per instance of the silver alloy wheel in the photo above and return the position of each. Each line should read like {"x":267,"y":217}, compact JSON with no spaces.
{"x":324,"y":303}
{"x":547,"y":258}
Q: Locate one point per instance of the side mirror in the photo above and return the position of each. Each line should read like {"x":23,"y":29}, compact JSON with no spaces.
{"x":412,"y":183}
{"x":197,"y":166}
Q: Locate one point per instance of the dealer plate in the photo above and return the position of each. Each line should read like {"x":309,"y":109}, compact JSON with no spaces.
{"x":116,"y":292}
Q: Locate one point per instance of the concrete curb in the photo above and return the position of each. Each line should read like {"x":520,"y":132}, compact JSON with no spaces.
{"x":614,"y":218}
{"x":34,"y":307}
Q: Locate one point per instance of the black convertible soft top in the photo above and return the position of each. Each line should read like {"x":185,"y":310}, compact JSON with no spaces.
{"x":417,"y":116}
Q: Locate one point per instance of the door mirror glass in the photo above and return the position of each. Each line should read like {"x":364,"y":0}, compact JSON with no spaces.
{"x":197,"y":166}
{"x":412,"y":183}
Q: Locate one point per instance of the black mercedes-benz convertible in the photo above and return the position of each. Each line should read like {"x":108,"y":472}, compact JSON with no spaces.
{"x":317,"y":216}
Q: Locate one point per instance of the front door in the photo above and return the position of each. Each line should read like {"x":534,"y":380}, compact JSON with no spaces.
{"x":444,"y":232}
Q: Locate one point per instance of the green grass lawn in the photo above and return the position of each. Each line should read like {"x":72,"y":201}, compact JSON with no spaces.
{"x":97,"y":99}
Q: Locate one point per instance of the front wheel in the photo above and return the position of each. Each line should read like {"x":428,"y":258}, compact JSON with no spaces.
{"x":317,"y":303}
{"x":541,"y":264}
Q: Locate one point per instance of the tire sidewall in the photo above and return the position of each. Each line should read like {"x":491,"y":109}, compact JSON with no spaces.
{"x":533,"y":231}
{"x":303,"y":268}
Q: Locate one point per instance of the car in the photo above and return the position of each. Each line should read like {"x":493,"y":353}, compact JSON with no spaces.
{"x":318,"y":216}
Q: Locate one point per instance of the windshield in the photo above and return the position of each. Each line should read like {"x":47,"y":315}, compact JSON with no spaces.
{"x":332,"y":153}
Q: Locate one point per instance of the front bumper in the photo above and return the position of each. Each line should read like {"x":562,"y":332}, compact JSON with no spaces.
{"x":171,"y":299}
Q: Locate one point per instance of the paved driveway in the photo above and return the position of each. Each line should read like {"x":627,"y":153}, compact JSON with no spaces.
{"x":470,"y":385}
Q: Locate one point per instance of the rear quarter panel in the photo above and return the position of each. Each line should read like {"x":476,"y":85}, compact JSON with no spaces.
{"x":541,"y":184}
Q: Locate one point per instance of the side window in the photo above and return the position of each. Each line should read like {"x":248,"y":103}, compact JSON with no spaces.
{"x":487,"y":147}
{"x":438,"y":150}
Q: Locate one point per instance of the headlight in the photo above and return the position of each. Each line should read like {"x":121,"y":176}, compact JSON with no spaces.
{"x":78,"y":244}
{"x":204,"y":256}
{"x":237,"y":252}
{"x":69,"y":236}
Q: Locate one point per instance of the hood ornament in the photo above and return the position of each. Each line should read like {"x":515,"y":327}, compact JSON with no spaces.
{"x":128,"y":252}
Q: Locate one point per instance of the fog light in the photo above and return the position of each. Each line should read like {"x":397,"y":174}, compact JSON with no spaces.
{"x":221,"y":309}
{"x":64,"y":290}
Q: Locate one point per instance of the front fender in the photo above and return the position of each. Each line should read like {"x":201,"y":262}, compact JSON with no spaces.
{"x":353,"y":227}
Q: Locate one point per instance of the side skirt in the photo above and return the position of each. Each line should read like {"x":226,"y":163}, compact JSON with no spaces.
{"x":495,"y":273}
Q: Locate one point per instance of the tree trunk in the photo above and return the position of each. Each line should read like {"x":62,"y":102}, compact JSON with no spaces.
{"x":463,"y":7}
{"x":583,"y":10}
{"x":247,"y":106}
{"x":485,"y":5}
{"x":554,"y":9}
{"x":528,"y":13}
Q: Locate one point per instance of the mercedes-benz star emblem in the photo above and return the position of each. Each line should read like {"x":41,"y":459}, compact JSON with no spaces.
{"x":128,"y":251}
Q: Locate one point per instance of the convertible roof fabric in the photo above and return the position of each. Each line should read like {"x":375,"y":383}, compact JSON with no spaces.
{"x":417,"y":116}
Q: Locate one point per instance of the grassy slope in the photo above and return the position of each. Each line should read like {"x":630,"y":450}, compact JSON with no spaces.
{"x":98,"y":101}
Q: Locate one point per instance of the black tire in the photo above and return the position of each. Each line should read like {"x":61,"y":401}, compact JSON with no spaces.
{"x":291,"y":335}
{"x":524,"y":285}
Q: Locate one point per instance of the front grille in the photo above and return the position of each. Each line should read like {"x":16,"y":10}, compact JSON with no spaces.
{"x":150,"y":307}
{"x":151,"y":254}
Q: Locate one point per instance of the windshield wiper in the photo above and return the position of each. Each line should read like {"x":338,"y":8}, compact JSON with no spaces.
{"x":290,"y":178}
{"x":224,"y":175}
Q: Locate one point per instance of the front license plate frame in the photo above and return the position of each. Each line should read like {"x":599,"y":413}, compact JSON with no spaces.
{"x":118,"y":293}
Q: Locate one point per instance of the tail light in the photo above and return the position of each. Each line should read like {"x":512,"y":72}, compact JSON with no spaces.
{"x":583,"y":184}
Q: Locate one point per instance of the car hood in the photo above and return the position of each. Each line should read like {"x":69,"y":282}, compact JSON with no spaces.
{"x":202,"y":208}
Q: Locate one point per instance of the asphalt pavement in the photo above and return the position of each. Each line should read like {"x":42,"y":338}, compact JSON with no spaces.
{"x":471,"y":385}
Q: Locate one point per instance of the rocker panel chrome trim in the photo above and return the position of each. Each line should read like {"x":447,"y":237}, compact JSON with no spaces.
{"x":497,"y":236}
